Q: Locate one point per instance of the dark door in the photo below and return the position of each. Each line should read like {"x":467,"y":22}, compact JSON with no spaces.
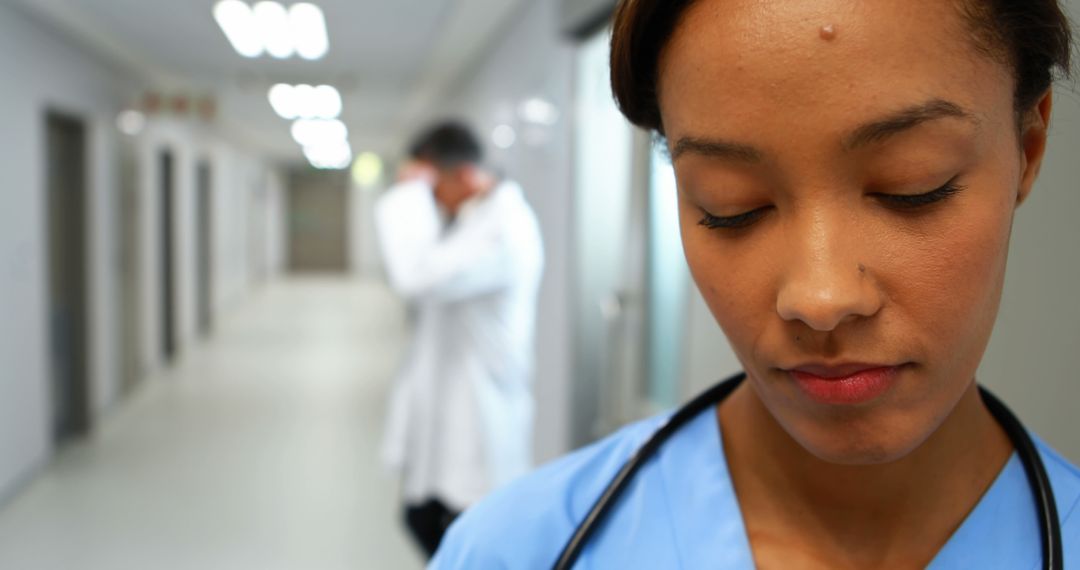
{"x":203,"y":241}
{"x":129,"y":293}
{"x":318,"y":222}
{"x":168,"y":267}
{"x":66,"y":190}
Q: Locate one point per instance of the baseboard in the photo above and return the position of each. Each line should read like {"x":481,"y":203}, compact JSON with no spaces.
{"x":21,"y":482}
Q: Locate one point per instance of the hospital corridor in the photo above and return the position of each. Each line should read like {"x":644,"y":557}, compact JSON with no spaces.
{"x":332,"y":284}
{"x":259,"y":451}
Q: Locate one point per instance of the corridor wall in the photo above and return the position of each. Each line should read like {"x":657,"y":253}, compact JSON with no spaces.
{"x":273,"y":216}
{"x":41,"y":71}
{"x":240,"y":192}
{"x":247,"y":226}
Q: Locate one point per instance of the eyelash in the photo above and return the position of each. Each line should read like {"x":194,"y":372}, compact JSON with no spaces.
{"x":896,"y":201}
{"x":731,"y":222}
{"x":913,"y":202}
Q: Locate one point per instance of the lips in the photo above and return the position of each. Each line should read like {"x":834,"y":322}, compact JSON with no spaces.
{"x":844,"y":384}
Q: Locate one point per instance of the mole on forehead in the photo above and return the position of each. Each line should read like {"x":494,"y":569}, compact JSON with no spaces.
{"x":828,"y":32}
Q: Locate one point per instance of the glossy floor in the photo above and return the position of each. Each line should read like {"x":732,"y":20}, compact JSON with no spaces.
{"x":257,"y":451}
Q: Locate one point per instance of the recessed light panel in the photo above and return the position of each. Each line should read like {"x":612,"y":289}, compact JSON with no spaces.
{"x":270,"y":28}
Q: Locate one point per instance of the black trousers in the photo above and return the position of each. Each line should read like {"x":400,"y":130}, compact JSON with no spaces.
{"x":428,"y":522}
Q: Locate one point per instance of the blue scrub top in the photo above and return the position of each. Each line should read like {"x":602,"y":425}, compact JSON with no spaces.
{"x":680,"y":511}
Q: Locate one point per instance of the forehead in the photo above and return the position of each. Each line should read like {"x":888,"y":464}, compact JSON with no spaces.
{"x":741,"y":65}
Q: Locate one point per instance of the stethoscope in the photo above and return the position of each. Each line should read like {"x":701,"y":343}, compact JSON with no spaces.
{"x":1049,"y":527}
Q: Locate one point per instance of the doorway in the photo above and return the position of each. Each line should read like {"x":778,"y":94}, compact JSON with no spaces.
{"x":203,"y":247}
{"x":168,"y":267}
{"x":318,"y":224}
{"x":66,"y":206}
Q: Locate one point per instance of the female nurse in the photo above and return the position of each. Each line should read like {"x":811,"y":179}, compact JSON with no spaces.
{"x":848,"y":174}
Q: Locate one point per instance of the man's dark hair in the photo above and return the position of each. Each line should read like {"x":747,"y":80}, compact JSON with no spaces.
{"x":447,"y":145}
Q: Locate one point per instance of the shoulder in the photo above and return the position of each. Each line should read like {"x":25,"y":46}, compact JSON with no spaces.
{"x":405,"y":195}
{"x":517,"y":221}
{"x":526,"y":523}
{"x":510,"y":197}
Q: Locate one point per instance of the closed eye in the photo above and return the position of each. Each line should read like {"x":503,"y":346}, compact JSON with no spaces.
{"x":895,"y":201}
{"x":916,"y":201}
{"x":732,"y":222}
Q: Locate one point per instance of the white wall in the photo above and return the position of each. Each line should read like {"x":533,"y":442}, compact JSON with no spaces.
{"x":274,"y":212}
{"x":41,"y":72}
{"x":708,"y":355}
{"x":364,"y":256}
{"x":532,"y":60}
{"x":247,"y":226}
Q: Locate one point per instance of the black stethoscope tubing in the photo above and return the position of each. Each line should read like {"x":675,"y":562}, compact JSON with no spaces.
{"x":1049,"y":526}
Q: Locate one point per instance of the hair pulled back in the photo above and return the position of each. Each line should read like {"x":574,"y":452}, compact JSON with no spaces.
{"x":1032,"y":36}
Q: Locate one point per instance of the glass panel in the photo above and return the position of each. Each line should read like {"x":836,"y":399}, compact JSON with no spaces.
{"x":602,"y":183}
{"x":668,"y":285}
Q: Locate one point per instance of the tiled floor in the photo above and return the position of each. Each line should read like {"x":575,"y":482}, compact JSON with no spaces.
{"x":257,"y":451}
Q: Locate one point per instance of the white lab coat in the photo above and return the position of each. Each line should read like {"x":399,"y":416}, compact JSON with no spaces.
{"x":460,"y":417}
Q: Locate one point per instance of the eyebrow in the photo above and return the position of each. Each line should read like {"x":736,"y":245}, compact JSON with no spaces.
{"x":870,"y":133}
{"x":715,"y":148}
{"x":906,"y":120}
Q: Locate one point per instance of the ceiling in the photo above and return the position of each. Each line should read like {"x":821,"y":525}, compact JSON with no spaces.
{"x":389,"y":58}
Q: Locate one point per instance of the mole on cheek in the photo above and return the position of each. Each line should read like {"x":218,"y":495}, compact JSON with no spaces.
{"x":828,"y":32}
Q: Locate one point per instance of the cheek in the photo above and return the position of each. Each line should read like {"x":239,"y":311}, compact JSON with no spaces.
{"x":733,"y":277}
{"x":947,"y":285}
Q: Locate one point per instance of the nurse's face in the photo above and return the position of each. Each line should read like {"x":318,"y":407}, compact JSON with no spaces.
{"x":848,"y":174}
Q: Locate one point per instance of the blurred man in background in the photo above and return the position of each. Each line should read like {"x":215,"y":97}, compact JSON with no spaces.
{"x":464,"y":248}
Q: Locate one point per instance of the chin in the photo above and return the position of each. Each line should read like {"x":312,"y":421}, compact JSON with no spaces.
{"x":853,"y":445}
{"x":862,"y":453}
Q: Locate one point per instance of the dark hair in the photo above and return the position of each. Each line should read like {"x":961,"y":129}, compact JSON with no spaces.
{"x":447,"y":145}
{"x":1032,"y":36}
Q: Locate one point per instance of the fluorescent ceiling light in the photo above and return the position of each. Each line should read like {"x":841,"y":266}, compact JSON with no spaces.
{"x":238,"y":22}
{"x":131,"y":122}
{"x":335,"y":156}
{"x":269,"y":27}
{"x":539,"y":112}
{"x":367,"y":169}
{"x":326,"y":102}
{"x":273,"y":24}
{"x":304,"y":98}
{"x":283,"y":100}
{"x":319,"y":132}
{"x":504,"y":136}
{"x":305,"y":102}
{"x":308,"y":28}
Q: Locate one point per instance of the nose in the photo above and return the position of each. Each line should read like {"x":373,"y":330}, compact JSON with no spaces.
{"x":827,"y":279}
